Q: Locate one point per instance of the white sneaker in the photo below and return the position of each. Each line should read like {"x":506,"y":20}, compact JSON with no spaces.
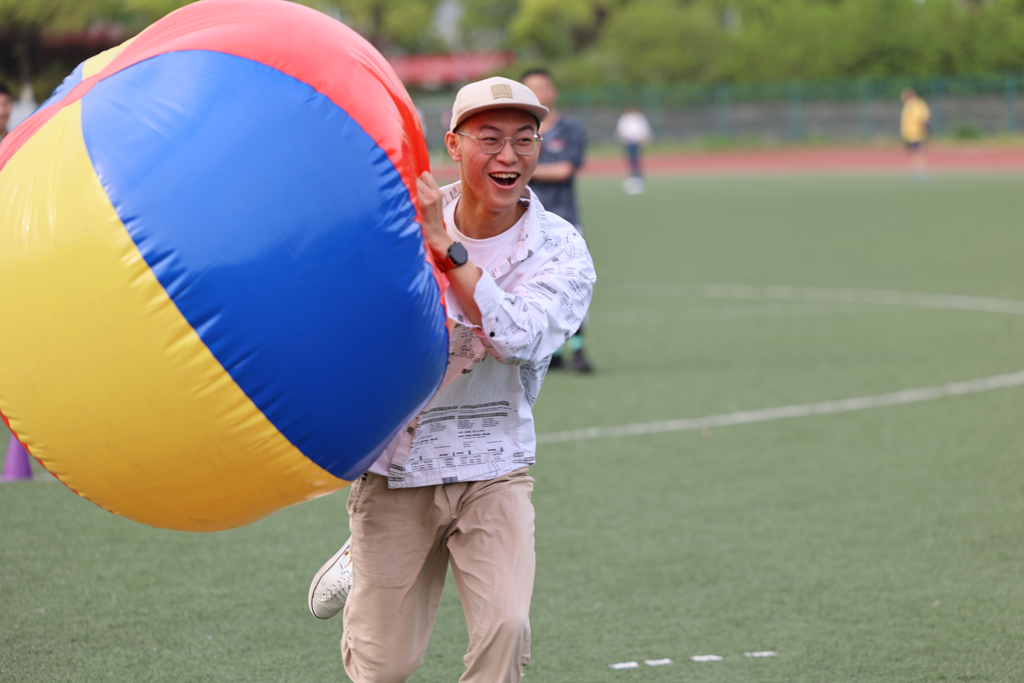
{"x":633,"y":185}
{"x":332,"y":584}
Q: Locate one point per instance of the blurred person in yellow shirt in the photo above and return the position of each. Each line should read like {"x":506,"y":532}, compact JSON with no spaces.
{"x":914,"y":121}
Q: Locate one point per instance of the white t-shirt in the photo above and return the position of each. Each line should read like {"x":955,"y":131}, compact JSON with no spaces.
{"x":486,"y":253}
{"x":633,"y":127}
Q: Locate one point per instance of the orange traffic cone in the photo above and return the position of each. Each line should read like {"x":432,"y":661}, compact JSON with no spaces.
{"x":16,"y":467}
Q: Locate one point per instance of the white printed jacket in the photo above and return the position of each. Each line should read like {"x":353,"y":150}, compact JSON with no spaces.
{"x":480,"y":423}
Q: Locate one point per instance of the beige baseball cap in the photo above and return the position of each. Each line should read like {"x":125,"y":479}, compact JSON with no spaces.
{"x":495,"y":93}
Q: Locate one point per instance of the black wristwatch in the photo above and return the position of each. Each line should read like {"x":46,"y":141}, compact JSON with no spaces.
{"x":456,"y":257}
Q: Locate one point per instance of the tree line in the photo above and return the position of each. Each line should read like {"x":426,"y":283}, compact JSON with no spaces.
{"x":627,"y":42}
{"x":647,"y":42}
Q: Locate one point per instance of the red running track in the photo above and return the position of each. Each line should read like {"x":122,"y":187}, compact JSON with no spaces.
{"x":782,"y":161}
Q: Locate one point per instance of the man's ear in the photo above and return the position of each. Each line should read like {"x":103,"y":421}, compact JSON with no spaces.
{"x":451,"y":142}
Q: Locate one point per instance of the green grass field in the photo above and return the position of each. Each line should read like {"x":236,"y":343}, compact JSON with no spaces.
{"x":875,"y":545}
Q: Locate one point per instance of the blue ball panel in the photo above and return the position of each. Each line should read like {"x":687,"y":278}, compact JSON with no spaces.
{"x":285,"y":237}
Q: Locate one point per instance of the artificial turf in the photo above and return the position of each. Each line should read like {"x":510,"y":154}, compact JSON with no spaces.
{"x":877,"y":545}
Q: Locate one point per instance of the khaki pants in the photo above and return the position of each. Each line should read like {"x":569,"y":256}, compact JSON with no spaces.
{"x":402,"y":542}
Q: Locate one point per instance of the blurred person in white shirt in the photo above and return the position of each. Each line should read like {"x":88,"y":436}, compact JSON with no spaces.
{"x":633,"y":132}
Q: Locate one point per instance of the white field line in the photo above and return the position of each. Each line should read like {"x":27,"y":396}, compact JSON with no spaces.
{"x":845,"y":405}
{"x":866,"y":296}
{"x":883,"y":297}
{"x":818,"y":294}
{"x":723,"y":313}
{"x":815,"y":294}
{"x":953,"y":302}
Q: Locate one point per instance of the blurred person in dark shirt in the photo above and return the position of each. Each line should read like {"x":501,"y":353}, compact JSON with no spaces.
{"x":554,"y":182}
{"x":6,"y":106}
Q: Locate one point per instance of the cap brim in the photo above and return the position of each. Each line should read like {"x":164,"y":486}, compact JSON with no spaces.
{"x":537,"y":110}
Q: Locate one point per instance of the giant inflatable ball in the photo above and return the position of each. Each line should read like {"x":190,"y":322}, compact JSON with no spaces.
{"x":217,"y":298}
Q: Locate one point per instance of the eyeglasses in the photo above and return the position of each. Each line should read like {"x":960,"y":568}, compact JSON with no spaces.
{"x":524,"y":145}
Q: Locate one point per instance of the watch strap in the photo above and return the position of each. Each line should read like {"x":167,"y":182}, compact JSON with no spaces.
{"x":456,"y":256}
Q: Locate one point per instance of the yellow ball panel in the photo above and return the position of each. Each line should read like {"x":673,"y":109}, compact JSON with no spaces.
{"x":105,"y":381}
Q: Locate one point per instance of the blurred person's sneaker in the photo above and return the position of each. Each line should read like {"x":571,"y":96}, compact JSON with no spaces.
{"x":557,"y":362}
{"x":633,"y":185}
{"x":332,"y":584}
{"x":580,"y":362}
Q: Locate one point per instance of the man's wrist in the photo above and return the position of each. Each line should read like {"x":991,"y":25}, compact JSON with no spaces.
{"x":440,"y":248}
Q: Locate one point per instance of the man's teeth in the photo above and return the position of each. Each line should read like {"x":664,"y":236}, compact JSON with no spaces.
{"x":505,"y":175}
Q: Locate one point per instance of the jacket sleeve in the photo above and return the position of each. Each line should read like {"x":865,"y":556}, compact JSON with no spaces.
{"x":529,"y":323}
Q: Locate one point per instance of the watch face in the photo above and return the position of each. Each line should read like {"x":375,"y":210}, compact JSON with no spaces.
{"x":458,"y":255}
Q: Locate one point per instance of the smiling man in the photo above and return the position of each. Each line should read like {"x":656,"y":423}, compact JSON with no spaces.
{"x":454,"y":487}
